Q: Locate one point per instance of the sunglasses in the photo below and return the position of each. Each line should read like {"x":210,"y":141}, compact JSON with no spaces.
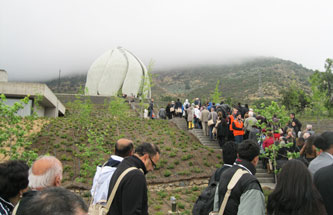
{"x":152,"y":162}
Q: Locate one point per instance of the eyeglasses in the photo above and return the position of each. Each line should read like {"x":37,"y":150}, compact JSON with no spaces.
{"x":152,"y":162}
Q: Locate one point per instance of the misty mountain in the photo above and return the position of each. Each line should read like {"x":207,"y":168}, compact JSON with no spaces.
{"x":240,"y":81}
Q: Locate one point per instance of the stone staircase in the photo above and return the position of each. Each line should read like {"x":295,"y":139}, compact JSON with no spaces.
{"x":180,"y":123}
{"x":205,"y":140}
{"x":198,"y":133}
{"x":265,"y":179}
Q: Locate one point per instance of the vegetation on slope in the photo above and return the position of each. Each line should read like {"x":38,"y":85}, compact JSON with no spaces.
{"x":239,"y":81}
{"x":85,"y":138}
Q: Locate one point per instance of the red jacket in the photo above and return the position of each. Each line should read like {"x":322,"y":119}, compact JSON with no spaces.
{"x":268,"y":142}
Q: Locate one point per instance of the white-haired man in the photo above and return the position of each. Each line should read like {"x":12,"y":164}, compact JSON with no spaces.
{"x":45,"y":172}
{"x":248,"y":123}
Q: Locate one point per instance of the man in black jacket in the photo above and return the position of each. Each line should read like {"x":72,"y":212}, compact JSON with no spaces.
{"x":178,"y":107}
{"x":246,"y":197}
{"x":131,"y":196}
{"x":323,"y":179}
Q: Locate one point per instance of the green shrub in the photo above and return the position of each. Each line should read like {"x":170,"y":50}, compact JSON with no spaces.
{"x":167,"y":173}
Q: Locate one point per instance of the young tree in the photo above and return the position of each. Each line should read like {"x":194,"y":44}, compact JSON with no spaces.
{"x":14,"y":141}
{"x":294,"y":98}
{"x":217,"y":95}
{"x":282,"y":115}
{"x":147,"y":84}
{"x":324,"y":81}
{"x":318,"y":97}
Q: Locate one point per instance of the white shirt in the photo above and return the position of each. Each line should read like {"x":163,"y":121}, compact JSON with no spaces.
{"x":197,"y":113}
{"x":102,"y":180}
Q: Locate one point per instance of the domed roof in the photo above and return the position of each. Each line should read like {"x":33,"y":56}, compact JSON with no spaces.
{"x":114,"y":70}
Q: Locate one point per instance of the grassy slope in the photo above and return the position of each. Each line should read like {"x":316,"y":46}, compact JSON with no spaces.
{"x":82,"y":143}
{"x":81,"y":149}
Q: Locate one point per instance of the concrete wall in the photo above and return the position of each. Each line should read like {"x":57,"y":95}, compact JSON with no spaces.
{"x":51,"y":112}
{"x":52,"y":106}
{"x":40,"y":110}
{"x":65,"y":98}
{"x":25,"y":111}
{"x":3,"y":76}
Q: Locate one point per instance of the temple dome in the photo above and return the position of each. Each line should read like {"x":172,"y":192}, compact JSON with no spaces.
{"x":114,"y":70}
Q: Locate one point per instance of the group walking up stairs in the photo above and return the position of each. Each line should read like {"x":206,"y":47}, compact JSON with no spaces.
{"x":198,"y":133}
{"x":205,"y":140}
{"x":265,"y":179}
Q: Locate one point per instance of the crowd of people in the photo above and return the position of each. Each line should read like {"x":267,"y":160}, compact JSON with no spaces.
{"x":300,"y":189}
{"x":304,"y":185}
{"x":240,"y":124}
{"x":37,"y":190}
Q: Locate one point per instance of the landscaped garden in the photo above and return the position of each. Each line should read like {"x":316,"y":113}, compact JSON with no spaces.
{"x":85,"y":138}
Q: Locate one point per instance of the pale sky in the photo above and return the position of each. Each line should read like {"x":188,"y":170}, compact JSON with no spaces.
{"x":39,"y":37}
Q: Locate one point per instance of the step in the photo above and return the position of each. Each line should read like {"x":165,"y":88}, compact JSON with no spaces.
{"x":261,"y":170}
{"x":266,"y":180}
{"x":212,"y":145}
{"x":264,"y":175}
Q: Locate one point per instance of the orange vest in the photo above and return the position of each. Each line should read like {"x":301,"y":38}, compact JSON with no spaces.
{"x":238,"y":125}
{"x":231,"y":121}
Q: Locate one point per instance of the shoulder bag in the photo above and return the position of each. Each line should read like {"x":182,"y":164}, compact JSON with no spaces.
{"x":99,"y":209}
{"x":210,"y":122}
{"x":235,"y":178}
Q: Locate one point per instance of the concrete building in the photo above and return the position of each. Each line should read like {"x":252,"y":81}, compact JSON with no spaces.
{"x":3,"y":76}
{"x":115,"y":70}
{"x":48,"y":106}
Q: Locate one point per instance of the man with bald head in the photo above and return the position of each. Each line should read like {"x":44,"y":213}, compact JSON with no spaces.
{"x":45,"y":172}
{"x":99,"y":191}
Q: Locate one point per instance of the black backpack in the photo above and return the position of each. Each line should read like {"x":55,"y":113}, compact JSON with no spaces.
{"x":205,"y":202}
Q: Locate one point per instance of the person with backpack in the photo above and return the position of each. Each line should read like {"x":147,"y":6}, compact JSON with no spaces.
{"x":131,"y":191}
{"x":178,"y":108}
{"x":162,"y":113}
{"x":208,"y":199}
{"x":246,"y":197}
{"x":99,"y":191}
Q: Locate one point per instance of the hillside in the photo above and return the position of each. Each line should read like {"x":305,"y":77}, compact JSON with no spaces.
{"x":86,"y":136}
{"x":239,"y":81}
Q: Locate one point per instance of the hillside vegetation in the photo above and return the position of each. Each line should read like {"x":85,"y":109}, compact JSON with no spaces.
{"x":239,"y":81}
{"x":85,"y":138}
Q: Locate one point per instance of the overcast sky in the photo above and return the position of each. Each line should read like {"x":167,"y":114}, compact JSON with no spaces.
{"x":39,"y":37}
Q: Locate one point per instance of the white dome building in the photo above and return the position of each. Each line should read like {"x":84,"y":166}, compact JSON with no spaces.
{"x":114,"y":70}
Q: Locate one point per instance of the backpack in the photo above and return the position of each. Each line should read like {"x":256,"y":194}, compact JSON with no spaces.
{"x":205,"y":202}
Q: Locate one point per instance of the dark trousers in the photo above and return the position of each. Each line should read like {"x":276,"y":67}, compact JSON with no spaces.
{"x":231,"y":136}
{"x":238,"y":139}
{"x":221,"y":140}
{"x":211,"y":132}
{"x":246,"y":135}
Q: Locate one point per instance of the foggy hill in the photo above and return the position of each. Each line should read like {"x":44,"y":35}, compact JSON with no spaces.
{"x":239,"y":81}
